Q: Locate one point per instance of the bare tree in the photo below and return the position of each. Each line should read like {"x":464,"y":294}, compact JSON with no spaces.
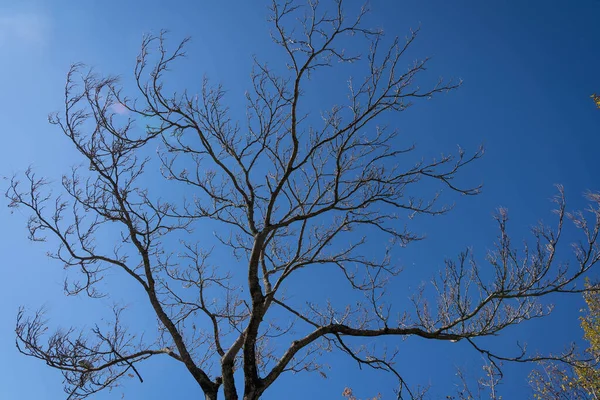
{"x":288,"y":191}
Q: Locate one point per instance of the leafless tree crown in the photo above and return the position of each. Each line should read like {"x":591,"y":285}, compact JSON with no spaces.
{"x":286,"y":190}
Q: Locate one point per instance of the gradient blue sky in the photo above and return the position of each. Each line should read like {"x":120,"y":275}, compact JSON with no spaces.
{"x":528,"y":67}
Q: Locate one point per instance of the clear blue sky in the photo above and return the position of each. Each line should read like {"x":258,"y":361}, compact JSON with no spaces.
{"x":528,"y":67}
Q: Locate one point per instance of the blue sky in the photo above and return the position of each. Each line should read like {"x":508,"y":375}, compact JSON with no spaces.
{"x":528,"y":67}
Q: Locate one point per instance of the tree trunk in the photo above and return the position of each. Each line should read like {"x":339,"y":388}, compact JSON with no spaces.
{"x":210,"y":395}
{"x":253,"y":392}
